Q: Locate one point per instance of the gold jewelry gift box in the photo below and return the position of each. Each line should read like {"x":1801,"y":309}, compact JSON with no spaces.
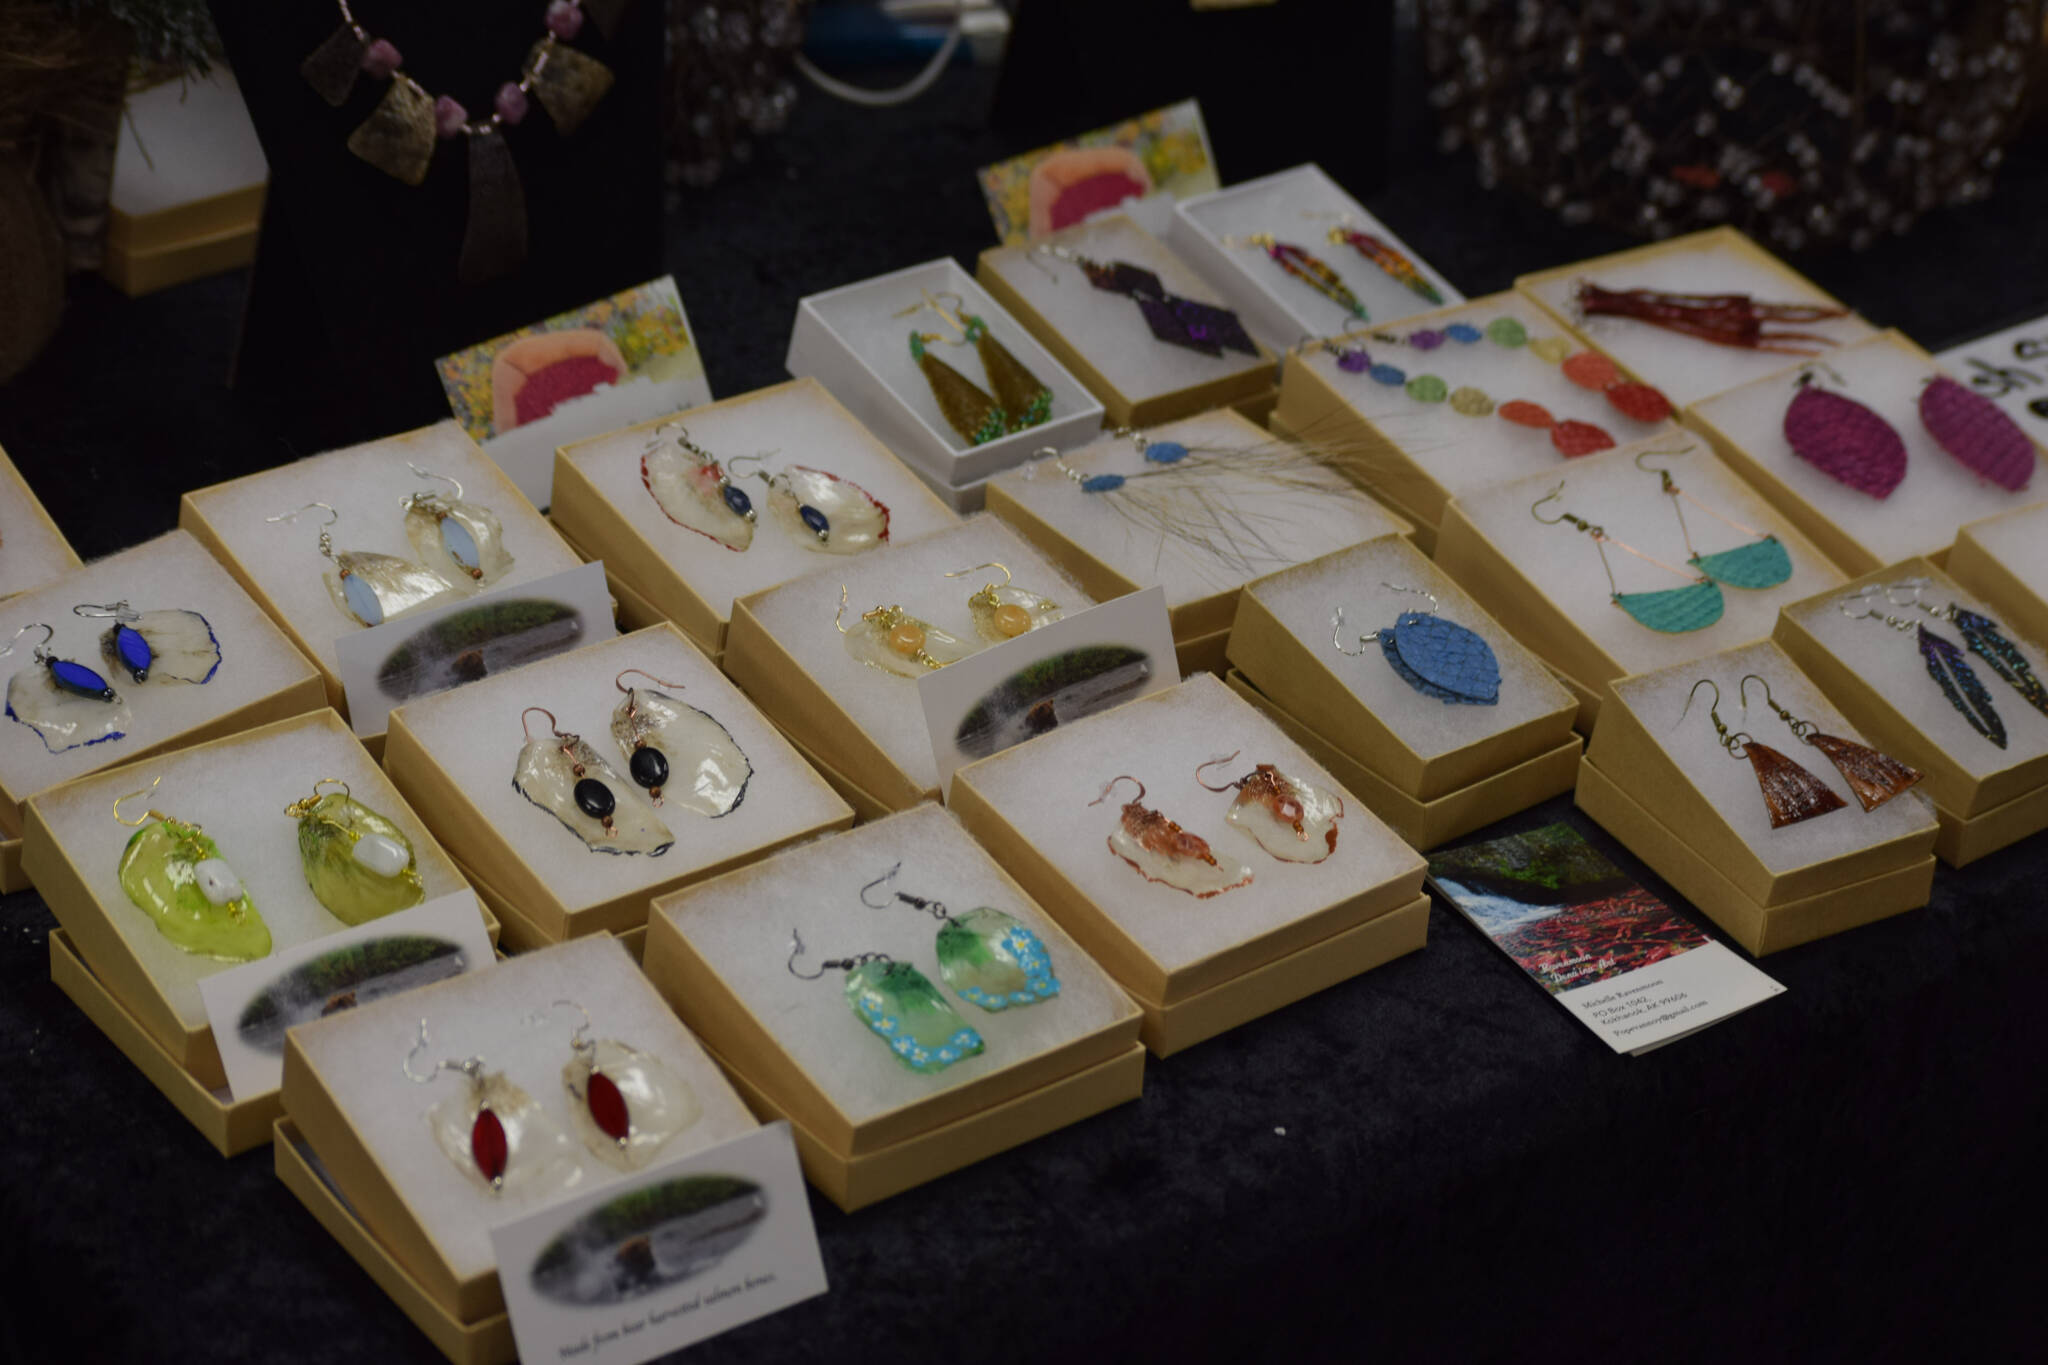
{"x":1201,"y":624}
{"x":1471,"y":550}
{"x":1719,"y":260}
{"x":173,"y":564}
{"x":1984,"y":797}
{"x":526,"y":864}
{"x":1100,"y":336}
{"x":650,"y":554}
{"x":858,"y":1160}
{"x":2001,"y":559}
{"x":1886,"y":373}
{"x":1348,"y":931}
{"x":1656,"y":778}
{"x":1428,"y":797}
{"x":100,"y":967}
{"x":33,"y":551}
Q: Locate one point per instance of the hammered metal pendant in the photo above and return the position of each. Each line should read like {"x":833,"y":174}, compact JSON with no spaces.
{"x":398,"y":136}
{"x":1874,"y":777}
{"x":331,"y":68}
{"x":494,"y":237}
{"x":175,"y":874}
{"x":1791,"y":793}
{"x":357,"y":863}
{"x":568,"y":83}
{"x":993,"y":960}
{"x":899,"y":1005}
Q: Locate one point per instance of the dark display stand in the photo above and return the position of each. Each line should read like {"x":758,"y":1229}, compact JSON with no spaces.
{"x":355,"y":290}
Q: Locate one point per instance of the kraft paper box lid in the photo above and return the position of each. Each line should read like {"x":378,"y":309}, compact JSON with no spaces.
{"x":32,"y":550}
{"x":1284,"y":643}
{"x":1717,"y":261}
{"x":236,"y":790}
{"x":1888,"y":375}
{"x":1030,"y":807}
{"x":261,"y":677}
{"x":2004,"y":559}
{"x":454,"y":754}
{"x":1657,"y":743}
{"x":1103,"y":339}
{"x":719,"y":951}
{"x":603,"y":505}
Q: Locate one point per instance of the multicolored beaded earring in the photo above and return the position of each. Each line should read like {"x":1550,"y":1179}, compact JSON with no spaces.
{"x":1672,"y":611}
{"x":563,"y":775}
{"x":175,"y":874}
{"x":988,"y":957}
{"x":691,"y":488}
{"x":1875,"y":778}
{"x":169,"y":645}
{"x":1161,"y":851}
{"x":1842,"y":438}
{"x":67,"y":704}
{"x":1977,"y":432}
{"x":1945,"y":664}
{"x":665,"y":740}
{"x":1396,"y":265}
{"x":1002,"y":611}
{"x":1983,"y":637}
{"x":1294,"y":820}
{"x":627,"y":1104}
{"x":891,"y":639}
{"x":1724,"y":319}
{"x":898,"y":1004}
{"x":1315,"y":273}
{"x":1437,"y":658}
{"x":1791,"y":793}
{"x":1204,"y":327}
{"x":1763,"y":563}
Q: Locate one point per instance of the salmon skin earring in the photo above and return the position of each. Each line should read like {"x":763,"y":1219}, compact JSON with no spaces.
{"x":175,"y":874}
{"x":1161,"y":851}
{"x":1843,"y":439}
{"x":563,"y":775}
{"x":357,"y":862}
{"x":1724,"y":319}
{"x":461,"y":541}
{"x":1203,"y":327}
{"x":692,"y":489}
{"x":1002,"y":611}
{"x":1875,"y":778}
{"x":1791,"y":793}
{"x":492,"y":1130}
{"x":1316,"y":274}
{"x":821,"y":511}
{"x":1437,"y":658}
{"x":169,"y":645}
{"x":1293,"y":820}
{"x":988,"y":957}
{"x":67,"y":704}
{"x":1984,"y":639}
{"x":674,"y":750}
{"x":367,"y":587}
{"x":627,"y":1105}
{"x":1671,"y":611}
{"x":1397,"y":266}
{"x":891,"y":639}
{"x":898,"y":1004}
{"x":1945,"y":664}
{"x":1763,"y":563}
{"x":1977,"y":432}
{"x":1021,"y":399}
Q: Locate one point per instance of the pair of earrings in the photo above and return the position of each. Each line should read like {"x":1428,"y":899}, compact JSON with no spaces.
{"x":1856,"y":446}
{"x":989,"y":957}
{"x":1320,"y":276}
{"x":624,"y":1104}
{"x":1437,"y":658}
{"x":893,"y":640}
{"x":1293,"y":820}
{"x":819,"y":510}
{"x":1204,"y":327}
{"x":459,"y":544}
{"x":1021,"y":398}
{"x":673,"y":752}
{"x":1791,"y":793}
{"x":1735,"y":320}
{"x":358,"y":864}
{"x":1945,"y":663}
{"x":69,"y":704}
{"x":1761,"y":563}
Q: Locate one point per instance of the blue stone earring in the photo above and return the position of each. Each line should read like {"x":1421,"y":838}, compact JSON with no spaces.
{"x":1437,"y":658}
{"x":172,"y":645}
{"x":459,"y":540}
{"x":66,"y":703}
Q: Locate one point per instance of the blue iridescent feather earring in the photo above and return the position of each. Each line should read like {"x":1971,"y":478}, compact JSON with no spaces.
{"x":1762,"y":563}
{"x":1437,"y":658}
{"x":1672,"y":611}
{"x":1951,"y":672}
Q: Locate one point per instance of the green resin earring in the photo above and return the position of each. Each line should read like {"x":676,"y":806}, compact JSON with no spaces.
{"x":1762,"y":563}
{"x":359,"y":864}
{"x":987,"y":956}
{"x":1672,"y":611}
{"x":899,"y":1005}
{"x":176,"y":876}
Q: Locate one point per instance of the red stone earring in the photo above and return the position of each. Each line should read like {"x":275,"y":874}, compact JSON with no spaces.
{"x":483,"y":1128}
{"x":627,"y":1104}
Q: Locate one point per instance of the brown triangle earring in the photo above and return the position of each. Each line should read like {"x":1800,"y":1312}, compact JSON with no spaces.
{"x":1874,"y":777}
{"x":1791,"y":793}
{"x":966,"y":406}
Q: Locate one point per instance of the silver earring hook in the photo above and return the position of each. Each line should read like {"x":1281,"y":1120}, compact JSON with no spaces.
{"x":468,"y":1066}
{"x":119,"y":611}
{"x":1337,"y":636}
{"x":1913,"y":587}
{"x":430,"y":474}
{"x":1419,"y":592}
{"x":577,"y":1040}
{"x":326,"y":527}
{"x":37,"y":652}
{"x":882,"y":880}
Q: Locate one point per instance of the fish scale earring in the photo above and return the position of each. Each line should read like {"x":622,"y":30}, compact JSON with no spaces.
{"x":1763,"y":563}
{"x":1293,"y":820}
{"x":459,"y":540}
{"x":627,"y":1104}
{"x":1791,"y":793}
{"x":1875,"y":778}
{"x":891,"y":639}
{"x":987,"y":956}
{"x":1437,"y":658}
{"x":176,"y":875}
{"x":563,"y":775}
{"x":368,"y":587}
{"x":67,"y":704}
{"x":1671,"y":611}
{"x":1159,"y":850}
{"x":1003,"y":612}
{"x":357,"y":862}
{"x":493,"y":1131}
{"x":675,"y":750}
{"x":693,"y":490}
{"x":821,"y":511}
{"x":172,"y":645}
{"x":898,"y":1004}
{"x":1842,"y":438}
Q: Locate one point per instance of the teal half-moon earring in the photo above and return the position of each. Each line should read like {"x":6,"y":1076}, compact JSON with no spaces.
{"x":1762,"y":563}
{"x":1672,"y":611}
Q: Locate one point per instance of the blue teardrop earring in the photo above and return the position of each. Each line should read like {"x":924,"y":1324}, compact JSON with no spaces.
{"x":65,"y":702}
{"x":1763,"y":563}
{"x":1437,"y":658}
{"x":1672,"y":611}
{"x":172,"y":645}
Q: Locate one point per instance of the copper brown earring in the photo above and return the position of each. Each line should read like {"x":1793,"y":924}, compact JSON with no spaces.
{"x":1791,"y":793}
{"x":1874,"y":777}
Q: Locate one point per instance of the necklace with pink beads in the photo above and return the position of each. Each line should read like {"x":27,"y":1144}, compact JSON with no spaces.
{"x":400,"y":134}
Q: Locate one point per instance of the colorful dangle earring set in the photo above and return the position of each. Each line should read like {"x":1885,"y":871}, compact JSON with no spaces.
{"x":459,"y":550}
{"x":1320,"y":276}
{"x":674,"y":752}
{"x":1293,"y":820}
{"x":1020,"y":400}
{"x":819,"y":510}
{"x":1437,"y":658}
{"x":1759,"y":564}
{"x":358,"y":864}
{"x":987,"y":956}
{"x":894,"y":641}
{"x":1951,"y":673}
{"x":1855,"y":446}
{"x":1791,"y":793}
{"x":69,"y":704}
{"x":624,"y":1104}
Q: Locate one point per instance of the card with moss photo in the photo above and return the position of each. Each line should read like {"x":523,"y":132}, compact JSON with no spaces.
{"x":1608,"y":948}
